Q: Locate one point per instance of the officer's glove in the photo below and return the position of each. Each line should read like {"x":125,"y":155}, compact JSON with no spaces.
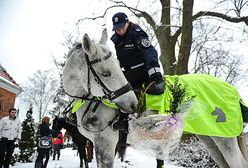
{"x":156,"y":77}
{"x":157,"y":87}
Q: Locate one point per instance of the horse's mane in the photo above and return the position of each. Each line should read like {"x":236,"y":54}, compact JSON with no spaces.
{"x":75,"y":46}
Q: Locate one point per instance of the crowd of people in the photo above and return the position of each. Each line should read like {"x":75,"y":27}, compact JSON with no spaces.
{"x":10,"y":135}
{"x":49,"y":142}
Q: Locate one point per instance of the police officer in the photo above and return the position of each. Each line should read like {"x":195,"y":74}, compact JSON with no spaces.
{"x":137,"y":56}
{"x":139,"y":59}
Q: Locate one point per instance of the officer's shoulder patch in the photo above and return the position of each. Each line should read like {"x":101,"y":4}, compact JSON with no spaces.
{"x":145,"y":43}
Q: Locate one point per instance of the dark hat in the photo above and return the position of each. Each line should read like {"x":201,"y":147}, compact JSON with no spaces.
{"x":119,"y":20}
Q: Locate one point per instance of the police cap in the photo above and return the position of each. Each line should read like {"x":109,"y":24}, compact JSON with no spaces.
{"x":119,"y":20}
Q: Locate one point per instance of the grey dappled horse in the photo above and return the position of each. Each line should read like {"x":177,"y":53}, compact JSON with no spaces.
{"x":91,"y":69}
{"x":94,"y":123}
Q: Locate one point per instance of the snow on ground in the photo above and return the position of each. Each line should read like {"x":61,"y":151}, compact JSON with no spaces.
{"x":69,"y":159}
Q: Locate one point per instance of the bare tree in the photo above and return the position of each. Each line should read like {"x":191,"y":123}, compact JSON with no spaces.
{"x":40,"y":90}
{"x":61,"y":101}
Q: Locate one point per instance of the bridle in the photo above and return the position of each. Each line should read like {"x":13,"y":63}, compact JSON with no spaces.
{"x":111,"y":95}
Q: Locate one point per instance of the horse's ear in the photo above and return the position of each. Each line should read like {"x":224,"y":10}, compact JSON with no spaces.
{"x":104,"y":37}
{"x":88,"y":46}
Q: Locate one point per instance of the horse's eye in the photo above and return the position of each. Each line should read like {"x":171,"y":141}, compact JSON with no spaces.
{"x":106,"y":74}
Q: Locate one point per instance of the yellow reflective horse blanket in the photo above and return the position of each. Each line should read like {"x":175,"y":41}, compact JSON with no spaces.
{"x":215,"y":110}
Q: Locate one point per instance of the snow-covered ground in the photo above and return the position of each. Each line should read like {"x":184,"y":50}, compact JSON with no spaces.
{"x":69,"y":159}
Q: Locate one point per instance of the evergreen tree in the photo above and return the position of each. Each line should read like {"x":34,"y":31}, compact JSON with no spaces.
{"x":27,"y":143}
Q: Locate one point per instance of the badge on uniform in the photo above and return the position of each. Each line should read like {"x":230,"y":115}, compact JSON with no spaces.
{"x":145,"y":43}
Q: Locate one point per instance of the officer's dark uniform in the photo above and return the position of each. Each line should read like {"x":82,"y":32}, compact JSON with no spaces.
{"x":136,"y":55}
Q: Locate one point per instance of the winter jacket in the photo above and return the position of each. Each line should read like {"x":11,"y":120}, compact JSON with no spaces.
{"x":59,"y":139}
{"x":10,"y":128}
{"x":45,"y":130}
{"x":134,"y":49}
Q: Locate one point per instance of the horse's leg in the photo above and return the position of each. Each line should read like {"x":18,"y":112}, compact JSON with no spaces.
{"x":104,"y":145}
{"x":242,"y":146}
{"x":230,"y":150}
{"x":82,"y":155}
{"x":214,"y":151}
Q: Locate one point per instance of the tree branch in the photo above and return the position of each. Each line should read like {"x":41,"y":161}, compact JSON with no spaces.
{"x":214,"y":14}
{"x":137,"y":13}
{"x":221,"y":15}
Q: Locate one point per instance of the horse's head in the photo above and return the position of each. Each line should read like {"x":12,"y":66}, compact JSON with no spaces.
{"x":92,"y":68}
{"x":56,"y":124}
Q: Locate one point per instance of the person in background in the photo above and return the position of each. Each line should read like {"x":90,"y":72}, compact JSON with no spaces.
{"x":44,"y":130}
{"x":10,"y":135}
{"x":57,"y":145}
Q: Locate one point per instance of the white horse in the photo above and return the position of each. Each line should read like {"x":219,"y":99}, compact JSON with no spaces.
{"x":91,"y":69}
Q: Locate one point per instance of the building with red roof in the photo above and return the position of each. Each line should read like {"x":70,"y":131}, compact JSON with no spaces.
{"x":9,"y":89}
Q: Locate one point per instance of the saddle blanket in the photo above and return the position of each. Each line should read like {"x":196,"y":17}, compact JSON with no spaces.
{"x":214,"y":111}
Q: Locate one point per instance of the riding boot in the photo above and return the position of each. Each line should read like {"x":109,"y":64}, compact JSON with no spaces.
{"x":122,"y":123}
{"x":121,"y":126}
